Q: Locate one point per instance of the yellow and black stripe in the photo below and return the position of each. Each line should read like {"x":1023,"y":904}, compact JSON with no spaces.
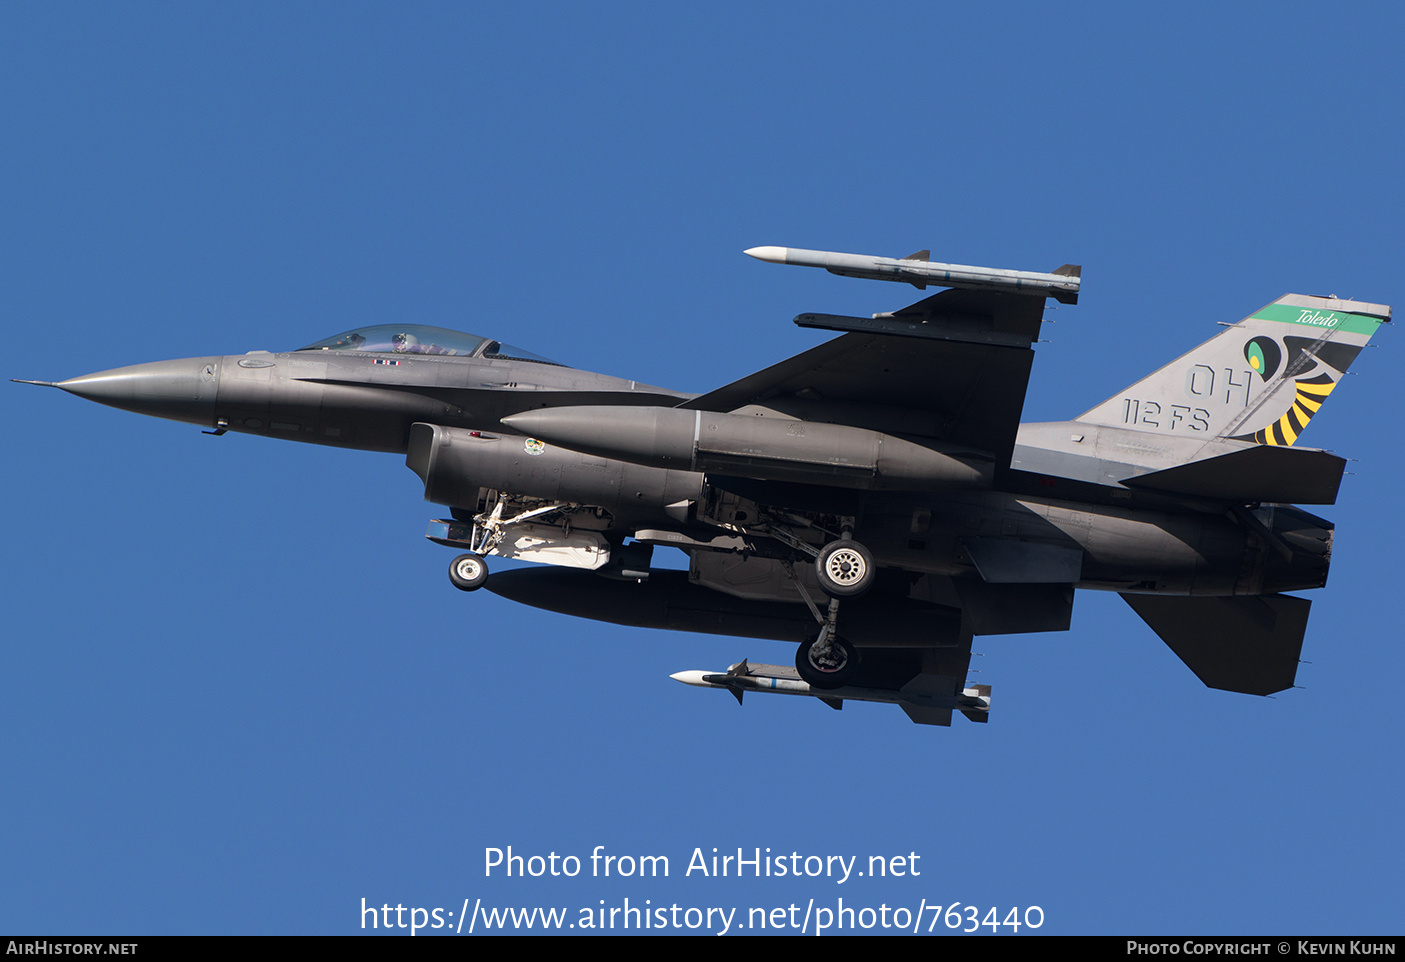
{"x":1311,"y":393}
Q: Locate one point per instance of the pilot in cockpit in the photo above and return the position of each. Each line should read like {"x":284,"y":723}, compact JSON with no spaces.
{"x":409,"y":344}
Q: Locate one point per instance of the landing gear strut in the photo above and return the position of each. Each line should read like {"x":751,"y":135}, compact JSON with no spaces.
{"x":825,"y":661}
{"x":468,"y":572}
{"x":844,"y":569}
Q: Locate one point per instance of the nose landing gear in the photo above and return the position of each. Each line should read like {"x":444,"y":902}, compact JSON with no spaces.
{"x":468,"y":572}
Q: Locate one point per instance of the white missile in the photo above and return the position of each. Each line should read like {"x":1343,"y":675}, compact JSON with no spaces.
{"x":917,"y":270}
{"x":741,"y":678}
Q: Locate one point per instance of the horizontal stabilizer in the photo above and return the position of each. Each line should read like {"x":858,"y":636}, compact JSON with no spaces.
{"x":1244,"y":644}
{"x":1264,"y":473}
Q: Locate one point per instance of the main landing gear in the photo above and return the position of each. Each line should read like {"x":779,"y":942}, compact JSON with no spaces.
{"x":829,"y":665}
{"x":844,"y":569}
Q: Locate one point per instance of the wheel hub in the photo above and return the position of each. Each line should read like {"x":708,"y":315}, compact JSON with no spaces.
{"x":832,"y":659}
{"x":846,"y":567}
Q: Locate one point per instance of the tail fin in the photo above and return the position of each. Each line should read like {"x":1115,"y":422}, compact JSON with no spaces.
{"x":1260,"y":380}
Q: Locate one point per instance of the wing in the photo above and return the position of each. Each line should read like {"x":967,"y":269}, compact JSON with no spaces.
{"x":953,"y":368}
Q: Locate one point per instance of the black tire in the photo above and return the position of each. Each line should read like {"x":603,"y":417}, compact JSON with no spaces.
{"x":468,"y":572}
{"x":845,"y":569}
{"x":836,"y":672}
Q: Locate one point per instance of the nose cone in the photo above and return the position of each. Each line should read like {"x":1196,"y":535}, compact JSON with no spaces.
{"x":181,"y":390}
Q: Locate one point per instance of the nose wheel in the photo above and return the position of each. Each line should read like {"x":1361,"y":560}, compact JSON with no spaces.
{"x":468,"y":572}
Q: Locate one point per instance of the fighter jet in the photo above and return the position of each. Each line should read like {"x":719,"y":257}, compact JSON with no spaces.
{"x":874,"y":501}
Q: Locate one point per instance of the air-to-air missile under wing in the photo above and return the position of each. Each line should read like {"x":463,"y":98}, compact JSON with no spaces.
{"x":847,"y":500}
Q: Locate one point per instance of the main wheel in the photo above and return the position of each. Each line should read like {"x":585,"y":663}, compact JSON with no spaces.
{"x":833,"y":670}
{"x":468,"y":572}
{"x":845,"y":569}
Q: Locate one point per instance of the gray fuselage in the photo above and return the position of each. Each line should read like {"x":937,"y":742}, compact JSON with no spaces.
{"x":1127,"y":541}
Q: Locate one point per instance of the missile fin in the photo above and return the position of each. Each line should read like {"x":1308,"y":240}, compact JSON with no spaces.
{"x":923,"y":715}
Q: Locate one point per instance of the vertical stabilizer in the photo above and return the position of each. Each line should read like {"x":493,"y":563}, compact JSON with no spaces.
{"x":1259,"y":380}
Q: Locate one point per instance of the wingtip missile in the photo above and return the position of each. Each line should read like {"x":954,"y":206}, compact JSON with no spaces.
{"x":915,"y":269}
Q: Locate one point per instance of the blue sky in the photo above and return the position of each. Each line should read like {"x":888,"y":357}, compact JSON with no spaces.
{"x":241,"y":695}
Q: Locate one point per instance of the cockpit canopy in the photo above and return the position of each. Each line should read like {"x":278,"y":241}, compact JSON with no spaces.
{"x":421,"y":339}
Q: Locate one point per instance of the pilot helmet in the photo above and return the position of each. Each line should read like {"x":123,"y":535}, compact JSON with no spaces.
{"x":405,"y":342}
